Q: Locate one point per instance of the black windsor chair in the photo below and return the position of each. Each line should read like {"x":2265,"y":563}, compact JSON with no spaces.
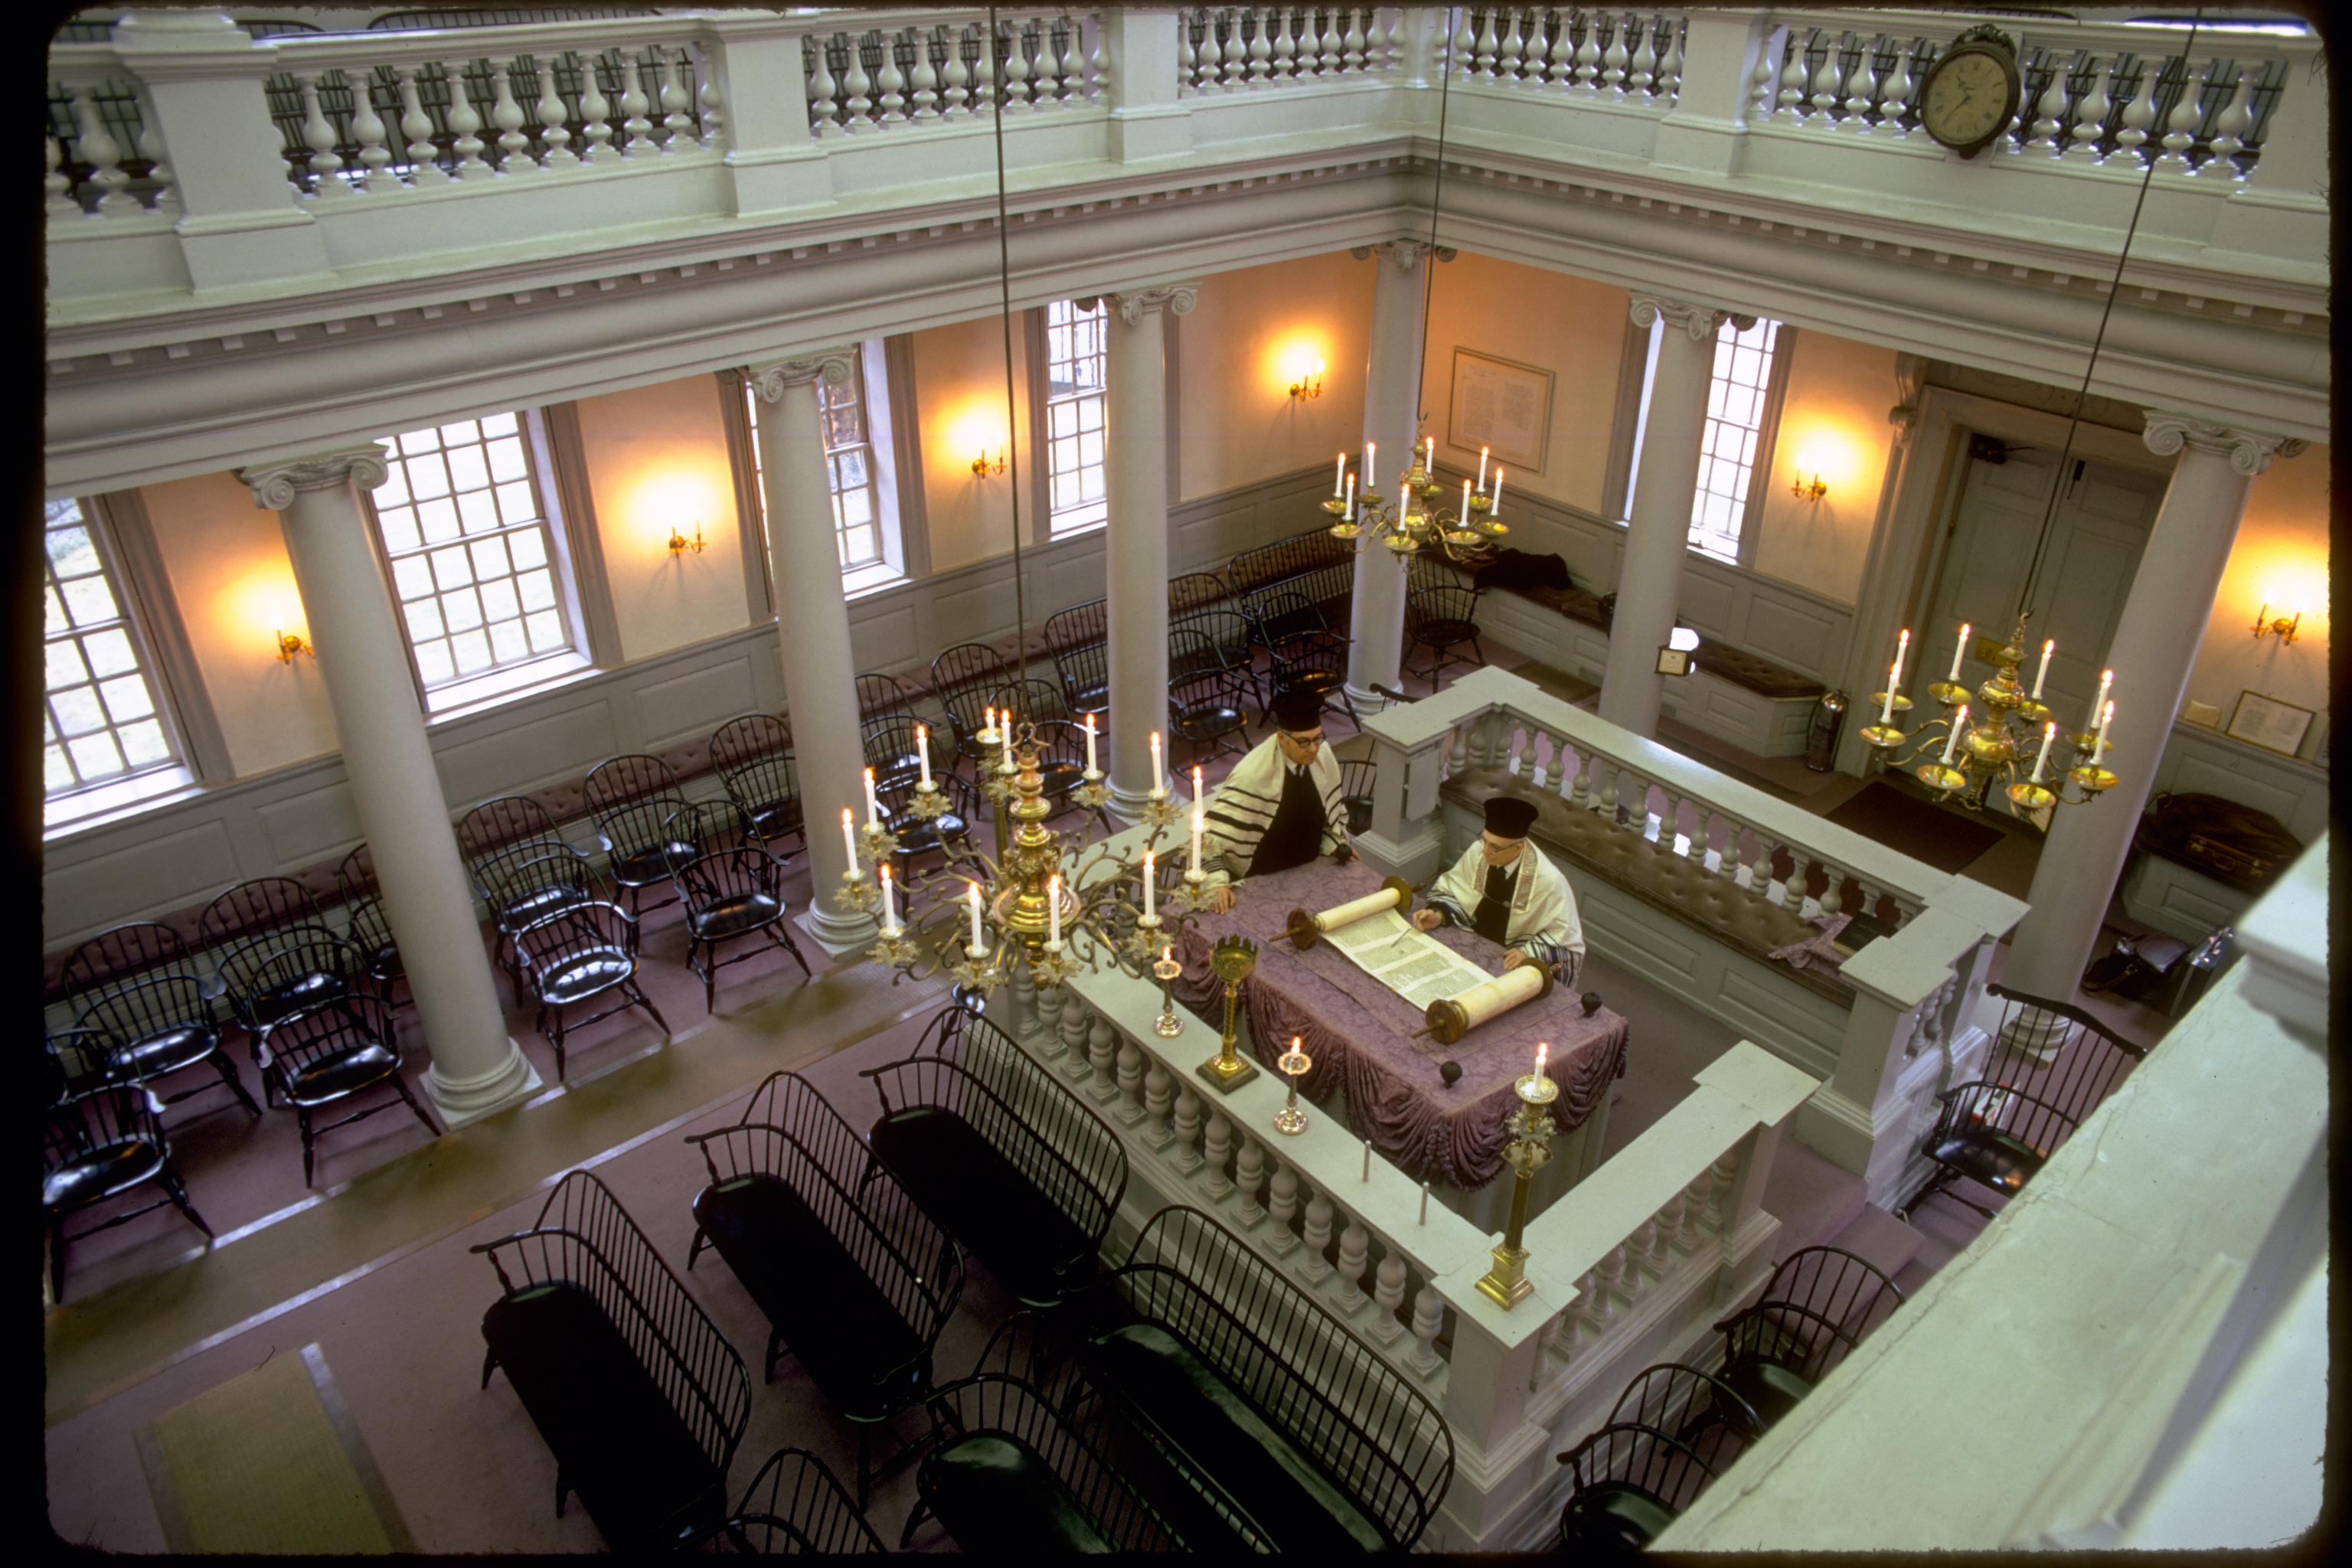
{"x":328,"y":1056}
{"x":154,"y":1027}
{"x":732,"y":889}
{"x":99,"y":1141}
{"x":574,"y":956}
{"x":752,"y":756}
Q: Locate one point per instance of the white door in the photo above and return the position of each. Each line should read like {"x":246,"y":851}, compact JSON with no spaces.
{"x":2094,"y":547}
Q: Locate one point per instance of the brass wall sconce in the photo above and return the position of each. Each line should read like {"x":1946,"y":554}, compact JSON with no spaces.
{"x":982,"y":467}
{"x":1309,"y":384}
{"x":679,"y":543}
{"x":289,"y":645}
{"x":1807,"y":492}
{"x":2285,"y":627}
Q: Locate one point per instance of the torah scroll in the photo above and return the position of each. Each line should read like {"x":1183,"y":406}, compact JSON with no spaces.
{"x":1395,"y":893}
{"x":1454,"y":1016}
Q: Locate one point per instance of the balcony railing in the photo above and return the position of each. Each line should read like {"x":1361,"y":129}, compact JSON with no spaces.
{"x":747,"y":117}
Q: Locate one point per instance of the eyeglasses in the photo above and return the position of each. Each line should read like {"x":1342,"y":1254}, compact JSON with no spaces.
{"x":1309,"y":741}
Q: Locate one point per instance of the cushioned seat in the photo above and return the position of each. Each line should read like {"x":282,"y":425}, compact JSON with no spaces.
{"x":775,"y":818}
{"x":166,"y":1051}
{"x":299,"y":994}
{"x":1608,"y":1515}
{"x":617,"y":1442}
{"x":585,"y":975}
{"x":643,"y":867}
{"x":1211,"y":1432}
{"x":1760,"y":676}
{"x":101,"y":1172}
{"x":1999,"y":1159}
{"x":337,"y":1075}
{"x":539,"y":903}
{"x":823,"y":1307}
{"x":734,"y":915}
{"x":981,"y":1198}
{"x":993,"y":1493}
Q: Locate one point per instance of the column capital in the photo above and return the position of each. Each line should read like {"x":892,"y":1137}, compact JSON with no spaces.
{"x":2249,"y":451}
{"x":1405,"y":253}
{"x":771,"y":379}
{"x":1698,"y":320}
{"x":275,"y":484}
{"x":1176,"y":298}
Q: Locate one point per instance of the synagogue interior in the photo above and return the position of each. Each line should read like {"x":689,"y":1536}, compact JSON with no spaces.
{"x":1463,"y":778}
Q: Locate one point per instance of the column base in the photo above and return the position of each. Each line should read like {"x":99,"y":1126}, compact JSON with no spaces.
{"x":838,"y":934}
{"x":2036,"y":1033}
{"x":1126,"y":807}
{"x":1368,"y":701}
{"x":463,"y":1101}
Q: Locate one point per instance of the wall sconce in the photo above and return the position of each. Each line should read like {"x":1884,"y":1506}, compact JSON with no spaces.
{"x":982,"y":467}
{"x":2285,"y":626}
{"x":289,"y":645}
{"x":679,"y":543}
{"x":1309,"y":384}
{"x":1807,"y":492}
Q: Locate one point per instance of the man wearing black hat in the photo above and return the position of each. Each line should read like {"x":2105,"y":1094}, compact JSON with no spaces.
{"x":1511,"y":896}
{"x":1280,"y":806}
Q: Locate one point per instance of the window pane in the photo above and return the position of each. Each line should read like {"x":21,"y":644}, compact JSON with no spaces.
{"x":537,"y":590}
{"x":507,"y":643}
{"x":92,"y":667}
{"x":394,"y":491}
{"x":463,"y":609}
{"x":433,"y":666}
{"x":427,"y":476}
{"x":412,"y":577}
{"x":424,"y":620}
{"x":477,"y":511}
{"x":71,"y":552}
{"x":95,"y":756}
{"x":450,"y":569}
{"x":399,"y":527}
{"x":469,"y":469}
{"x":53,"y":612}
{"x":437,"y":519}
{"x":145,"y":743}
{"x":126,"y":699}
{"x":57,"y":774}
{"x":77,"y":709}
{"x":89,"y":601}
{"x":516,"y":503}
{"x":498,"y":603}
{"x":498,"y":425}
{"x":109,"y":652}
{"x":471,"y":650}
{"x":529,"y":549}
{"x":416,"y":442}
{"x":506,"y":460}
{"x":65,"y":665}
{"x":546,"y":630}
{"x":490,"y":559}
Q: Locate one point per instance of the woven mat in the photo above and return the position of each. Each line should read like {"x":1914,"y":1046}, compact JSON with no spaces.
{"x":269,"y":1462}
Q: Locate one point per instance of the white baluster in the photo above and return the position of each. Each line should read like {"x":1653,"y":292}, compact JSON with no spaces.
{"x":1613,"y":74}
{"x":2230,"y":127}
{"x":1311,"y":1262}
{"x":1663,"y":1225}
{"x":1639,"y":62}
{"x":1187,"y":54}
{"x":1237,"y":52}
{"x":2181,"y":125}
{"x":858,"y":104}
{"x":674,"y":118}
{"x":1359,"y":46}
{"x":1609,"y":1289}
{"x":1186,"y":1119}
{"x":1018,"y":70}
{"x":1582,"y":1321}
{"x":637,"y":105}
{"x":552,"y":136}
{"x":1481,"y":62}
{"x":1325,"y":56}
{"x":2050,"y":113}
{"x":595,"y":112}
{"x":1764,"y":86}
{"x":1066,"y":1023}
{"x":1249,"y":1176}
{"x":1691,"y":1230}
{"x":1261,"y":54}
{"x":507,"y":115}
{"x":317,"y":133}
{"x":1070,"y":71}
{"x":1281,"y":1203}
{"x":368,"y":130}
{"x":955,"y":96}
{"x":1861,"y":88}
{"x":465,"y":126}
{"x":714,"y":112}
{"x":1388,"y":1298}
{"x":1130,"y":1082}
{"x":821,"y":87}
{"x":893,"y":100}
{"x":1464,"y":51}
{"x":1828,"y":81}
{"x":1354,"y":1246}
{"x":1286,"y":42}
{"x":1641,"y":1251}
{"x":1719,"y":1195}
{"x":1387,"y":44}
{"x":1668,"y":87}
{"x":2091,"y":114}
{"x":2140,"y":112}
{"x":152,"y":148}
{"x":1218,"y":1144}
{"x":1428,"y":1318}
{"x":1102,"y":1051}
{"x":1894,"y":92}
{"x":59,"y":201}
{"x":1792,"y":78}
{"x":1157,"y":1092}
{"x":1099,"y":68}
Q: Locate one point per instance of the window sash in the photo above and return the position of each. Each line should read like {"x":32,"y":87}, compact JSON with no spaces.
{"x":1738,"y":410}
{"x":850,"y":460}
{"x":112,"y":704}
{"x":1076,"y":372}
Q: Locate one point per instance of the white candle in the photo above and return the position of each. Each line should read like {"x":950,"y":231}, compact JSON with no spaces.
{"x":1090,"y":745}
{"x":1482,"y":466}
{"x":1053,"y":911}
{"x":979,"y":944}
{"x":2049,"y":733}
{"x":1198,"y":818}
{"x":1429,"y":454}
{"x":988,"y":731}
{"x":1495,"y":494}
{"x":1887,"y":714}
{"x":1465,"y":500}
{"x":2107,"y":679}
{"x":2100,"y":750}
{"x":1197,"y":795}
{"x":1150,"y":906}
{"x":923,"y":752}
{"x":1901,"y":646}
{"x":2043,"y":673}
{"x":1371,"y":448}
{"x":1959,"y":648}
{"x":1952,"y":741}
{"x":873,"y":806}
{"x":1352,"y":498}
{"x":1008,"y":738}
{"x":890,"y":910}
{"x":1543,"y":1050}
{"x":1159,"y":779}
{"x":1339,"y":475}
{"x":849,"y":837}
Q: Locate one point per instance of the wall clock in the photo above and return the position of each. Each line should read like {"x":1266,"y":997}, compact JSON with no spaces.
{"x":1970,"y":94}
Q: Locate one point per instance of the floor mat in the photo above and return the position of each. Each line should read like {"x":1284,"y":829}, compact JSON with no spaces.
{"x":269,"y":1462}
{"x":1886,"y":816}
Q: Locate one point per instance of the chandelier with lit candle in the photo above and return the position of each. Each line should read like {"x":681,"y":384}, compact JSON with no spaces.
{"x":1987,"y":734}
{"x":1410,"y":522}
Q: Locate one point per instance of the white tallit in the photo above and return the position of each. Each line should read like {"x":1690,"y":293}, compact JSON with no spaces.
{"x":1241,"y":808}
{"x":1543,"y":922}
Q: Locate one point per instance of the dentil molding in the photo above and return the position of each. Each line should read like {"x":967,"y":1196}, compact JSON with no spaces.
{"x":274,"y":485}
{"x":2249,"y":452}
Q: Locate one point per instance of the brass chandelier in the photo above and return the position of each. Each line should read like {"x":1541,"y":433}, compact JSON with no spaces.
{"x":1412,"y":521}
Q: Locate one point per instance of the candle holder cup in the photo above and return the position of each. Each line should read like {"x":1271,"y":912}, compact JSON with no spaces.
{"x":1233,"y":959}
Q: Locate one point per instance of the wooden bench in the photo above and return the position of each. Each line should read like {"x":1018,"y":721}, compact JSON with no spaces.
{"x":633,"y":1388}
{"x":1016,"y":1471}
{"x":1000,"y":1156}
{"x":1277,"y":1427}
{"x":854,"y":1280}
{"x":796,"y":1505}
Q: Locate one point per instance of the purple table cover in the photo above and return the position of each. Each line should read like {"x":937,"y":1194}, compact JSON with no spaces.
{"x":1358,"y":1032}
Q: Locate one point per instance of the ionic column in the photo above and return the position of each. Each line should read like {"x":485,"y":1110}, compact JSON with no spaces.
{"x":2155,"y":646}
{"x":1392,"y":422}
{"x":812,"y":631}
{"x":477,"y":1067}
{"x":1135,"y":533}
{"x":1657,"y":534}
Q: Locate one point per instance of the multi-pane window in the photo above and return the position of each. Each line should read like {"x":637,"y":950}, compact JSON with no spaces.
{"x":855,"y":421}
{"x":1736,"y":399}
{"x":472,"y":552}
{"x":1075,"y":371}
{"x":101,"y":719}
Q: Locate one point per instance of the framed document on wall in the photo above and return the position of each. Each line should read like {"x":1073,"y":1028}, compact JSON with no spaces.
{"x":2269,"y":723}
{"x":1503,"y":406}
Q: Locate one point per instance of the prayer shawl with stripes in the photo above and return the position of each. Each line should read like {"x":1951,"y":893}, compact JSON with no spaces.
{"x":1543,"y":908}
{"x":1241,"y":808}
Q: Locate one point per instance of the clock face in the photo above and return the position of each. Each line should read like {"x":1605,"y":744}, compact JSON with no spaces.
{"x":1968,"y":101}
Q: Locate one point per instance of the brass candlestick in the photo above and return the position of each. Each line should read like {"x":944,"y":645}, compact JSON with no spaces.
{"x":1233,"y":959}
{"x":1293,"y":1063}
{"x":1530,"y":1146}
{"x":1167,"y":1024}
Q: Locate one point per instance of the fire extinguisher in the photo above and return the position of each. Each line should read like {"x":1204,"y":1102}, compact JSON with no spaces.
{"x":1822,"y":735}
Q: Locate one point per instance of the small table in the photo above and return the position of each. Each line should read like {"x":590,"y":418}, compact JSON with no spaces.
{"x":1359,"y":1033}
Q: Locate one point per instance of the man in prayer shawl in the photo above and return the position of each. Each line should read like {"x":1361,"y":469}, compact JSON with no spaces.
{"x":1511,"y":895}
{"x":1280,"y":806}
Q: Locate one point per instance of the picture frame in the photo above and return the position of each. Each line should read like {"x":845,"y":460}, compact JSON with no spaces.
{"x":1502,"y":405}
{"x":2267,"y":723}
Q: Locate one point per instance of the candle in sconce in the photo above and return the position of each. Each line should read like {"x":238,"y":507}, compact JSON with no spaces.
{"x":979,"y":944}
{"x":1090,"y":745}
{"x":1369,"y":448}
{"x":1494,"y":493}
{"x":1887,"y":714}
{"x":1159,"y":779}
{"x":873,"y":806}
{"x":1543,"y":1051}
{"x":1007,"y":734}
{"x":1198,"y":797}
{"x":2106,"y":715}
{"x":1054,"y":911}
{"x":1952,"y":741}
{"x":1199,"y":817}
{"x":988,"y":729}
{"x":1465,"y":500}
{"x":850,"y":838}
{"x":2043,"y":674}
{"x":1150,"y":903}
{"x":1482,"y":466}
{"x":1429,"y":454}
{"x":1959,"y":649}
{"x":890,"y":910}
{"x":2107,"y":679}
{"x":2049,"y":733}
{"x":1352,"y":498}
{"x":923,"y":752}
{"x":1901,"y":646}
{"x":1339,"y":475}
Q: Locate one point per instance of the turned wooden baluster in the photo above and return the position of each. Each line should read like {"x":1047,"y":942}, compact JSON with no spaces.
{"x":317,"y":133}
{"x":1692,"y":1229}
{"x":713,"y":111}
{"x":893,"y":97}
{"x":596,"y":112}
{"x":1894,"y":92}
{"x":1428,"y":1318}
{"x":2230,"y":128}
{"x":417,"y":126}
{"x":1583,"y":1317}
{"x":2139,"y":113}
{"x":1186,"y":1121}
{"x":1218,"y":1143}
{"x":676,"y":120}
{"x":2091,"y":113}
{"x":1388,"y":1299}
{"x":1763,"y":87}
{"x":59,"y":201}
{"x":515,"y":157}
{"x":1249,"y":1176}
{"x":1317,"y":1224}
{"x":858,"y":104}
{"x":962,"y":49}
{"x":368,"y":129}
{"x":1355,"y":1246}
{"x":823,"y":110}
{"x":1281,"y":1206}
{"x":1157,"y":1092}
{"x":465,"y":126}
{"x":636,"y":105}
{"x":1102,"y":1052}
{"x":1131,"y":1080}
{"x":2181,"y":125}
{"x":1793,"y":78}
{"x":1719,"y":1195}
